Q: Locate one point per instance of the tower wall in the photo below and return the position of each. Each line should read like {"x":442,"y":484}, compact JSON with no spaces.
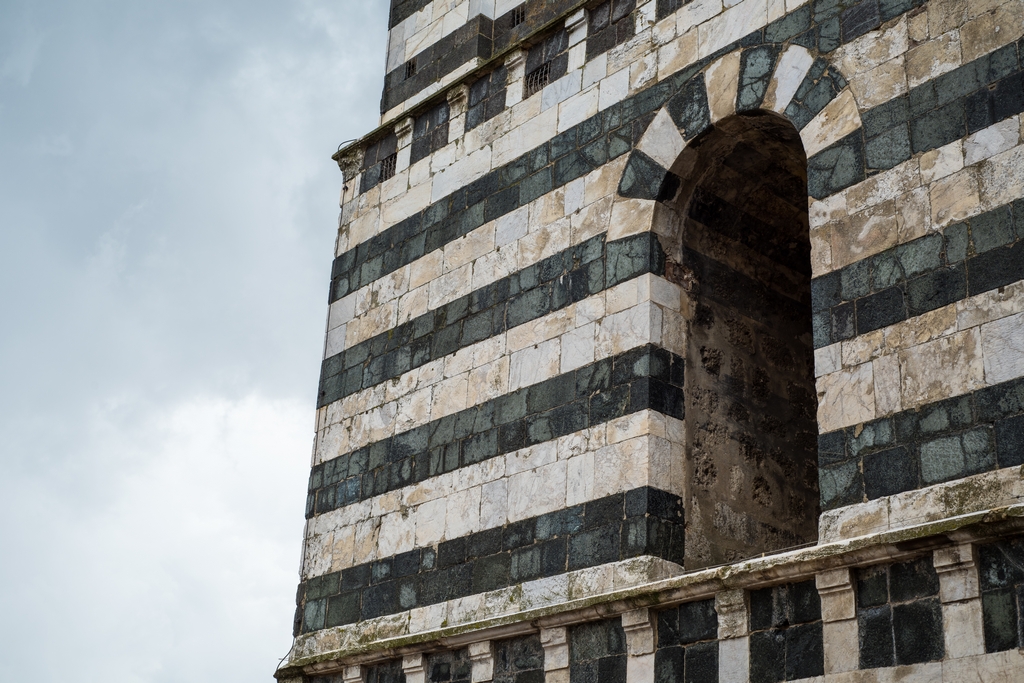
{"x":676,"y":341}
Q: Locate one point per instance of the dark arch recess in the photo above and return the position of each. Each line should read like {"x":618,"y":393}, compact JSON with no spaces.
{"x":741,"y":250}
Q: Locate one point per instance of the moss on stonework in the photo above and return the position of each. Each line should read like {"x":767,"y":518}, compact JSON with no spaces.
{"x":381,"y":637}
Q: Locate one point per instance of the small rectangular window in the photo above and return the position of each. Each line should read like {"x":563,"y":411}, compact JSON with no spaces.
{"x":410,"y":69}
{"x":538,"y":78}
{"x":387,"y":166}
{"x":518,"y":15}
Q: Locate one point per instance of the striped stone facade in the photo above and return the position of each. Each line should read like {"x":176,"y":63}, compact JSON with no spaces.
{"x":676,"y":341}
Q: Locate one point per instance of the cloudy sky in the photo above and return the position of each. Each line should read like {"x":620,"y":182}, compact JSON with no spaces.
{"x":167,"y":213}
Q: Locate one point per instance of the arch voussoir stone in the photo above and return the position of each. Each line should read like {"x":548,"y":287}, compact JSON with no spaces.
{"x":787,"y":80}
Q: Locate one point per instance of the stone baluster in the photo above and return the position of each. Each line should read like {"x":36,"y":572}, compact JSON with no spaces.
{"x":482,"y":657}
{"x":961,"y":600}
{"x":555,"y":642}
{"x":733,"y":637}
{"x":638,"y":626}
{"x":353,"y":674}
{"x":839,"y":620}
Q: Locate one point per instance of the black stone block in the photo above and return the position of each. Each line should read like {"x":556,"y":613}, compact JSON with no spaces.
{"x":859,"y":19}
{"x":767,"y":656}
{"x":669,"y":663}
{"x":889,"y":472}
{"x":840,"y":485}
{"x":806,"y":604}
{"x":855,"y":280}
{"x":483,"y":543}
{"x":805,"y":652}
{"x":342,"y":609}
{"x":594,"y":547}
{"x":696,"y":621}
{"x":1008,"y":96}
{"x":884,"y":117}
{"x":877,"y":648}
{"x":917,"y":628}
{"x":553,"y":556}
{"x":880,"y":310}
{"x":379,"y":600}
{"x":1010,"y":441}
{"x":560,"y":523}
{"x":913,"y":580}
{"x":999,"y":401}
{"x":642,"y":178}
{"x":756,"y":67}
{"x":701,"y":662}
{"x":837,"y":167}
{"x":789,"y":26}
{"x":938,"y":127}
{"x":689,"y":109}
{"x":491,"y":573}
{"x":992,"y":229}
{"x":607,"y":511}
{"x":1000,"y":616}
{"x":826,"y":291}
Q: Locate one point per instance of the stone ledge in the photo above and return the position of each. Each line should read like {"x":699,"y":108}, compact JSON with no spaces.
{"x":615,"y":588}
{"x":948,"y":501}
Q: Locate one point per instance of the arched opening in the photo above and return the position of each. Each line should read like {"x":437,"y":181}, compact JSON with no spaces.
{"x":741,"y":250}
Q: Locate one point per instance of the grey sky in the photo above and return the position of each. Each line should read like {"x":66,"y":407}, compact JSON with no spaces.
{"x":167,"y":214}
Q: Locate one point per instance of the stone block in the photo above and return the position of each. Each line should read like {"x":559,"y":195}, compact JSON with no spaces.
{"x":934,"y":58}
{"x":731,"y":607}
{"x":790,"y":71}
{"x":1002,"y":344}
{"x":990,"y":141}
{"x":949,"y":366}
{"x":662,"y":141}
{"x":734,"y":660}
{"x":941,"y":162}
{"x":846,"y":398}
{"x":955,"y":198}
{"x":840,"y":640}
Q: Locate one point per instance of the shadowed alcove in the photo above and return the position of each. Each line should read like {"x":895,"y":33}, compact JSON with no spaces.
{"x":740,"y":248}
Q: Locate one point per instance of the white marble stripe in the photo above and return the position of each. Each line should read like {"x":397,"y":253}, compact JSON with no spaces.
{"x":948,"y":352}
{"x":558,"y":220}
{"x":641,"y":311}
{"x":640,"y":449}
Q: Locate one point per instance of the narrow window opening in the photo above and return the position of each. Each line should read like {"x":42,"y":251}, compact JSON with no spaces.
{"x":518,"y":15}
{"x":410,"y":69}
{"x":538,"y":78}
{"x":387,"y":166}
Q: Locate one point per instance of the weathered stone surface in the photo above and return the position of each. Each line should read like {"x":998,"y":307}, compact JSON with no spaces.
{"x":493,"y":381}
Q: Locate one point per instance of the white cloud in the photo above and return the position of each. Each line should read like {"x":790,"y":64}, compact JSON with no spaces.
{"x":183,"y":555}
{"x":167,"y":211}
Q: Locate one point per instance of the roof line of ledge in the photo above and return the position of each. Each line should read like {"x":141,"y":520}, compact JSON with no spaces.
{"x":428,"y":102}
{"x":746,"y":574}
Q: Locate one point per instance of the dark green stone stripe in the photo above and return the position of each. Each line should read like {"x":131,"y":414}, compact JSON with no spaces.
{"x":942,"y":441}
{"x":616,"y":131}
{"x":558,"y":281}
{"x":947,"y":108}
{"x":644,"y":378}
{"x":643,"y":521}
{"x":978,"y":255}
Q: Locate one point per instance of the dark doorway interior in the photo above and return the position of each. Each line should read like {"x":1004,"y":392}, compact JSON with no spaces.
{"x":743,"y":255}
